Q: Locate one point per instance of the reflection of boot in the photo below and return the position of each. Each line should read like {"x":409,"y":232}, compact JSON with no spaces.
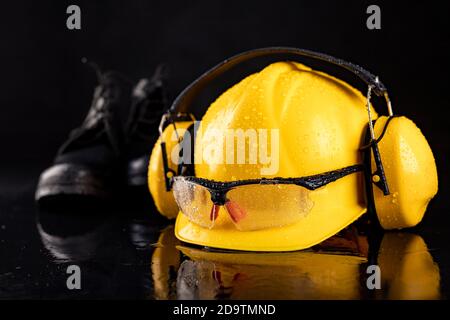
{"x":69,"y":238}
{"x":143,"y":233}
{"x":407,"y":268}
{"x":165,"y":264}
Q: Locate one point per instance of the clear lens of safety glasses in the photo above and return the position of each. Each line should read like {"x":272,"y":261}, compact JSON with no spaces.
{"x":195,"y":203}
{"x":257,"y":206}
{"x":250,"y":207}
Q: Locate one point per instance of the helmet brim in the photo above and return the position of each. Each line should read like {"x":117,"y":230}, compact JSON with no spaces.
{"x":321,"y":224}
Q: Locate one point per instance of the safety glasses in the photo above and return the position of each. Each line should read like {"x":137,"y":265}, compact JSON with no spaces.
{"x":256,"y":204}
{"x":251,"y":204}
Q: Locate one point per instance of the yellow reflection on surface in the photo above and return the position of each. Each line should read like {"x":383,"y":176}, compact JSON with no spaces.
{"x":407,"y":268}
{"x":165,"y":262}
{"x":336,"y":269}
{"x":293,"y":275}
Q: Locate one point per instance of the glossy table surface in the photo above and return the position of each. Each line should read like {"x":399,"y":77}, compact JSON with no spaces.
{"x":129,"y":252}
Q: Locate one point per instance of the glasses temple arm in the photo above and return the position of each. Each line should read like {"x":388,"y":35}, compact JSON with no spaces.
{"x":316,"y":181}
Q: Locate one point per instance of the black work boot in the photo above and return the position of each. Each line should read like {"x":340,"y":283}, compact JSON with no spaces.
{"x":90,"y":162}
{"x":149,"y":102}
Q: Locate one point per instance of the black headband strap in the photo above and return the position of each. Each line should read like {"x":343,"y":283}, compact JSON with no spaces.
{"x":185,"y":98}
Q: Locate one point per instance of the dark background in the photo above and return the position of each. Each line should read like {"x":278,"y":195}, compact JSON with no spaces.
{"x":46,"y":91}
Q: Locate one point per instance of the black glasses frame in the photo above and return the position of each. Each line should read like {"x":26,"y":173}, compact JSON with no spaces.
{"x":218,"y":190}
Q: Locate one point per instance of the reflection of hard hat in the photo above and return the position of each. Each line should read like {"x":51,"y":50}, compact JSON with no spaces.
{"x":333,"y":270}
{"x":320,"y":120}
{"x":407,"y":268}
{"x":293,"y":275}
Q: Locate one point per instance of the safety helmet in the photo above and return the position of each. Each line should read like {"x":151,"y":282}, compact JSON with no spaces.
{"x":330,"y":160}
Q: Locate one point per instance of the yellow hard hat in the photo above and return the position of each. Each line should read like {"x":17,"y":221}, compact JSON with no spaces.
{"x":310,"y":184}
{"x":321,"y":122}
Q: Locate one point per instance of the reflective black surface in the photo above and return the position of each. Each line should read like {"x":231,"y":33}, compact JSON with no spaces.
{"x":126,"y":251}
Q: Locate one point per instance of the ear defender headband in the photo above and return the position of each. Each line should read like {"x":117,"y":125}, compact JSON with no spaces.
{"x":378,"y":133}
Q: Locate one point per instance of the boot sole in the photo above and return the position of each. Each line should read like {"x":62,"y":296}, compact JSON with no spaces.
{"x":71,"y":179}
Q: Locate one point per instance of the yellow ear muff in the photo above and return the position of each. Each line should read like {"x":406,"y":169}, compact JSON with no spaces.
{"x":164,"y":200}
{"x":410,"y":171}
